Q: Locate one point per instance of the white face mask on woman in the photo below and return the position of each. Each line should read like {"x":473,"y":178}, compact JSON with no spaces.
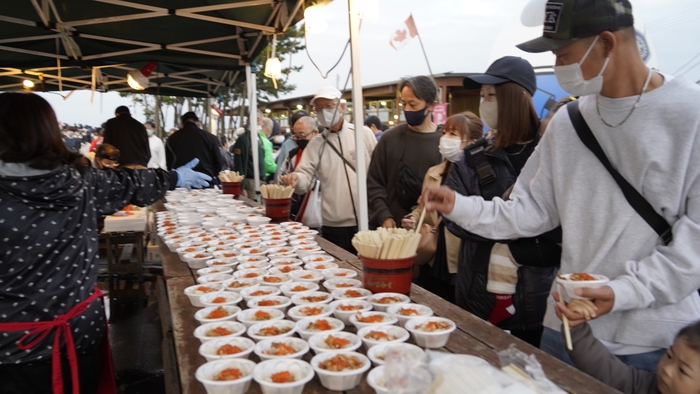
{"x":489,"y":113}
{"x":450,"y":149}
{"x":570,"y":77}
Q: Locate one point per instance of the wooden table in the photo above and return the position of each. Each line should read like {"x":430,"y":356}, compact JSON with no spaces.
{"x":473,"y":335}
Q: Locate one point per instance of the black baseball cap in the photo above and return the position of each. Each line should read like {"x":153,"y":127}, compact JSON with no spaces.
{"x":189,"y":115}
{"x":506,"y":69}
{"x":565,"y":21}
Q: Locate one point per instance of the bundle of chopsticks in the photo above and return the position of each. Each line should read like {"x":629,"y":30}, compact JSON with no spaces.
{"x":386,"y":243}
{"x":276,"y":191}
{"x":230,"y":176}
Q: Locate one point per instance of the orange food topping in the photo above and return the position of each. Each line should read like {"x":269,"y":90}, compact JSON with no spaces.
{"x":229,"y":254}
{"x":299,"y":288}
{"x":219,"y":332}
{"x":219,"y":263}
{"x":321,"y":267}
{"x":311,"y":311}
{"x":273,"y":279}
{"x":273,"y":331}
{"x":336,"y":343}
{"x":320,"y":325}
{"x":280,"y":349}
{"x":262,"y":315}
{"x":340,"y":363}
{"x":205,"y":289}
{"x":343,"y":284}
{"x":230,"y":374}
{"x":434,"y":326}
{"x":349,"y":307}
{"x":228,"y":349}
{"x":341,"y":273}
{"x":236,"y":284}
{"x":217,"y":313}
{"x":318,"y":259}
{"x":282,"y":377}
{"x":268,"y":303}
{"x":388,"y":300}
{"x":251,"y":275}
{"x":254,"y":251}
{"x":313,"y":299}
{"x":408,"y":312}
{"x":307,"y":276}
{"x":581,"y":276}
{"x":200,"y":256}
{"x":218,"y":300}
{"x":369,"y":318}
{"x":286,"y":269}
{"x":353,"y":293}
{"x":260,"y":293}
{"x":378,"y":336}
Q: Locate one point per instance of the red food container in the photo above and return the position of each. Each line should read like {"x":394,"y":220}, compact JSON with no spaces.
{"x":381,"y":276}
{"x":232,"y":188}
{"x":278,"y":209}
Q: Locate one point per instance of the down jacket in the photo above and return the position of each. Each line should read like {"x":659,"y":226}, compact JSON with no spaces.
{"x":48,"y":244}
{"x":540,"y":256}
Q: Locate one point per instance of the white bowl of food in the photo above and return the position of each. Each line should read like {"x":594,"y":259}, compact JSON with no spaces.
{"x":271,"y":330}
{"x":306,"y":276}
{"x":372,"y":336}
{"x":230,"y":376}
{"x":286,"y":376}
{"x":339,"y":341}
{"x":314,"y":310}
{"x":297,"y":237}
{"x":183,"y":250}
{"x":314,"y":297}
{"x":333,"y":284}
{"x":222,"y":330}
{"x":281,"y":250}
{"x":197,"y":260}
{"x":238,"y":285}
{"x":419,"y":382}
{"x":220,"y":299}
{"x":354,"y":293}
{"x":379,"y":352}
{"x":290,"y":224}
{"x":382,"y":301}
{"x":220,"y":349}
{"x":284,"y":269}
{"x":275,"y":349}
{"x":276,"y":280}
{"x":316,"y":258}
{"x":250,"y":265}
{"x":343,"y":309}
{"x":258,"y":220}
{"x":339,"y":273}
{"x":276,"y":238}
{"x":259,"y":291}
{"x":214,"y":278}
{"x":303,"y":242}
{"x":320,"y":266}
{"x":196,"y":291}
{"x":290,"y":289}
{"x":252,"y":259}
{"x":286,"y":262}
{"x":406,"y":312}
{"x":372,"y":319}
{"x":309,"y":326}
{"x":430,"y":332}
{"x":214,"y":314}
{"x":252,"y":250}
{"x":250,"y":273}
{"x":271,"y":243}
{"x":340,"y":371}
{"x":217,"y":262}
{"x":275,"y":302}
{"x":574,"y":281}
{"x":306,"y":250}
{"x":214,"y":270}
{"x":253,"y":316}
{"x":227,"y":254}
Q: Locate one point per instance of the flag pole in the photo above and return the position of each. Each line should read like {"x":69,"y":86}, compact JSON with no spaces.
{"x":423,"y":48}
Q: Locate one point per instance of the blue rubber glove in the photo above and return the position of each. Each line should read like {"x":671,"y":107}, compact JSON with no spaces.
{"x":188,"y":178}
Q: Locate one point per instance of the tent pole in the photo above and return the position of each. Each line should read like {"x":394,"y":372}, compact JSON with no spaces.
{"x":253,"y":126}
{"x":358,"y":114}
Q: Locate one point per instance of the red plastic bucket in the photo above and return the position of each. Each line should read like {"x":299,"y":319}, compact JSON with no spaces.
{"x":278,"y":209}
{"x":381,"y":276}
{"x":232,"y":188}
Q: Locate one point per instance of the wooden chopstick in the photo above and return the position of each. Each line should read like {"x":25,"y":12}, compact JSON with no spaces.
{"x":565,"y":320}
{"x":420,"y":221}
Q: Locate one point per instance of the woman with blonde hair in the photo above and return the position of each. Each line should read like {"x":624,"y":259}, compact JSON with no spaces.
{"x":438,"y":275}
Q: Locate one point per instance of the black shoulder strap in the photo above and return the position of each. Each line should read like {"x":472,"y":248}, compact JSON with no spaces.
{"x":474,"y":155}
{"x":634,"y":198}
{"x":325,"y":138}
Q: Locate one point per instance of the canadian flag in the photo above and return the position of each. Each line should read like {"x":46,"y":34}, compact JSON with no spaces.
{"x":403,"y":34}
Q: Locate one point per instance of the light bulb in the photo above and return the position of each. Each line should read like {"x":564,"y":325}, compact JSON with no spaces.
{"x":314,"y":19}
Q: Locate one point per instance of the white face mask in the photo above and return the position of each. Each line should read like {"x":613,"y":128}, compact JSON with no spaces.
{"x":278,"y":139}
{"x":327,"y":118}
{"x":570,"y":77}
{"x":450,"y":149}
{"x":489,"y":113}
{"x":149,"y":132}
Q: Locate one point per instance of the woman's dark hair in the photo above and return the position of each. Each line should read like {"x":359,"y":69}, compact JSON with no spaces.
{"x":468,"y":124}
{"x":517,"y":119}
{"x":423,"y":87}
{"x":691,"y":334}
{"x":107,"y":151}
{"x":29,"y":133}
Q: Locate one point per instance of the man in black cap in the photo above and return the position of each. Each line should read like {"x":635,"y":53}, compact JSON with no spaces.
{"x":647,"y":125}
{"x":191,"y":142}
{"x":129,"y":136}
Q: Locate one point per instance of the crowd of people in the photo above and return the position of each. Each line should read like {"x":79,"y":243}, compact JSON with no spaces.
{"x":505,"y":211}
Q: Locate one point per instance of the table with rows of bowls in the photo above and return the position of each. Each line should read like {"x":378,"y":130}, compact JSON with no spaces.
{"x":216,"y":226}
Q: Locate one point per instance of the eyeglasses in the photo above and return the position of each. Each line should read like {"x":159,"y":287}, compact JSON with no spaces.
{"x":301,"y":137}
{"x":329,"y":106}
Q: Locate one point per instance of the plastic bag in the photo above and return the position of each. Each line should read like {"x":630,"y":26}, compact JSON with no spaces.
{"x":512,"y":357}
{"x":405,"y":372}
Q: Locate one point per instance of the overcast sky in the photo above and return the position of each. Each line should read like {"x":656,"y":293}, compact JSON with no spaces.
{"x":458,"y":36}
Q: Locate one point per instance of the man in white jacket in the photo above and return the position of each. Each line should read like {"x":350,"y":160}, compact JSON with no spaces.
{"x":648,"y":125}
{"x":157,"y":148}
{"x":332,"y":155}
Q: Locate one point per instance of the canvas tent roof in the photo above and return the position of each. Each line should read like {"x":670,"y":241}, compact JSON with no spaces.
{"x":201,"y":46}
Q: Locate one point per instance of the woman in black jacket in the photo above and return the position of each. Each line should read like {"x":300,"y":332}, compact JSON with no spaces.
{"x":488,"y":168}
{"x":51,"y":314}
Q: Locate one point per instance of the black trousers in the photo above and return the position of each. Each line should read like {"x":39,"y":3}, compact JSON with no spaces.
{"x":35,"y":378}
{"x":341,"y":236}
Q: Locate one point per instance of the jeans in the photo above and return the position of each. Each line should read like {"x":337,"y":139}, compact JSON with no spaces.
{"x":553,"y":344}
{"x":341,"y":236}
